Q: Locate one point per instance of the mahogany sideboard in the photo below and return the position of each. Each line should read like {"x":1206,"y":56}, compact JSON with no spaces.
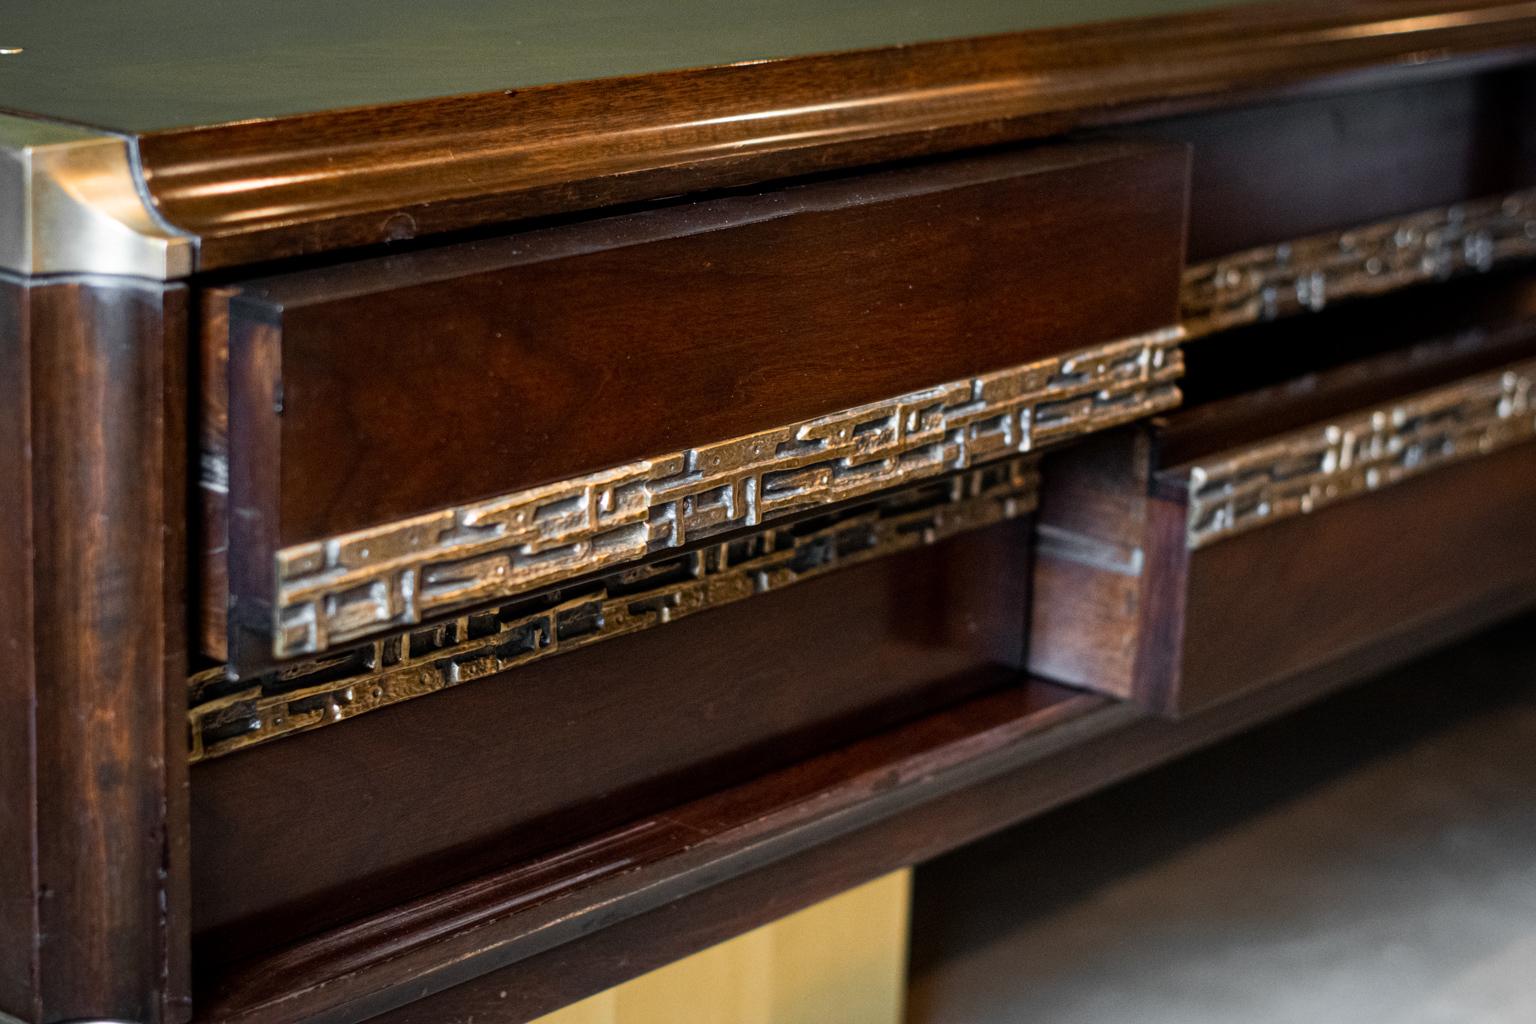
{"x":503,"y":497}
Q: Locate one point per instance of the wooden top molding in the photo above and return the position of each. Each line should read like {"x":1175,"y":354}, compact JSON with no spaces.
{"x":272,"y":187}
{"x":178,"y":64}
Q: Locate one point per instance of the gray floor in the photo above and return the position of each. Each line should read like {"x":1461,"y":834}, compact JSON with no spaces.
{"x":1372,"y":859}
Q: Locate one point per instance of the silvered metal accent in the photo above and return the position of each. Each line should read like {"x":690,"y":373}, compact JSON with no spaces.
{"x":226,"y":715}
{"x":1308,"y":273}
{"x":71,"y":203}
{"x":343,"y":588}
{"x":1307,"y":469}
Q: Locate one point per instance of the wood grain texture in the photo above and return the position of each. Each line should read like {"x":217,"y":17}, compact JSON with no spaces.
{"x":1405,"y":556}
{"x":490,"y":367}
{"x":178,"y":64}
{"x":96,"y":634}
{"x":211,"y":473}
{"x":1090,"y":562}
{"x":430,"y":944}
{"x":1268,"y":173}
{"x":525,"y":989}
{"x":416,"y":797}
{"x":1099,"y":743}
{"x":267,"y":189}
{"x":495,"y":366}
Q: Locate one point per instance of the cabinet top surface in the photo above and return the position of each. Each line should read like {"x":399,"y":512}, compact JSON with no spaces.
{"x":166,"y":64}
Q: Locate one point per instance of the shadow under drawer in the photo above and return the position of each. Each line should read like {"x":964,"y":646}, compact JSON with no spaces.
{"x":322,"y":827}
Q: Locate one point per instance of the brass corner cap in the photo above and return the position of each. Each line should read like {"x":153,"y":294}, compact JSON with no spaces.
{"x":70,"y":203}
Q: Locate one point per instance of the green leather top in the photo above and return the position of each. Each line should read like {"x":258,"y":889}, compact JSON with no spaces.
{"x":157,"y":64}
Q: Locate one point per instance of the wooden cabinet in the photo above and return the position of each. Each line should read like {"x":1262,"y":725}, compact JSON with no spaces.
{"x":502,"y":503}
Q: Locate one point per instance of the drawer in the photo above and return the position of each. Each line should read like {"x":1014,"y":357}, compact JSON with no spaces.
{"x":1334,"y":522}
{"x":409,"y":436}
{"x":417,"y":762}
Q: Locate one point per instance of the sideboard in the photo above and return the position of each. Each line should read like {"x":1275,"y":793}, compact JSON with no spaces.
{"x":504,"y":499}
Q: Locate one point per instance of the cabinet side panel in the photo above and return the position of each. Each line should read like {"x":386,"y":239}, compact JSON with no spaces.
{"x":18,"y":783}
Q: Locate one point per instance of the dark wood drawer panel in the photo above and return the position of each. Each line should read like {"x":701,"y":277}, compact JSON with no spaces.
{"x":339,"y":822}
{"x":411,"y":434}
{"x":1270,"y":535}
{"x":1265,"y":174}
{"x":1309,"y":202}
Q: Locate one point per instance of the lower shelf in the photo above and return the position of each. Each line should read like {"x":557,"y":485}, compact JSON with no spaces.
{"x":561,"y":927}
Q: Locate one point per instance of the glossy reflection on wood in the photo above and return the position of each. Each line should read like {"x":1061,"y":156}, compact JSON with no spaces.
{"x":267,"y":189}
{"x":93,"y":844}
{"x":532,"y":906}
{"x":482,"y":369}
{"x":390,"y":388}
{"x":1021,"y":756}
{"x":406,"y":335}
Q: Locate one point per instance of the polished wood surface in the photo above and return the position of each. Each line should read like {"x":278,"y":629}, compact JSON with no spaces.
{"x":18,"y":842}
{"x":1110,"y":743}
{"x":1091,"y":571}
{"x":446,"y":296}
{"x":423,"y":946}
{"x":416,"y":798}
{"x":1382,"y":565}
{"x":426,"y":946}
{"x":178,"y":64}
{"x":93,"y":845}
{"x":496,"y":366}
{"x":268,"y":189}
{"x":1124,"y":605}
{"x":1270,"y":172}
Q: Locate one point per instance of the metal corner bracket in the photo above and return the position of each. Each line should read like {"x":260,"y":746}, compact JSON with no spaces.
{"x":71,"y":203}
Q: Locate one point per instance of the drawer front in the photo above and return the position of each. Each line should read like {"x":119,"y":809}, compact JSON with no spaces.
{"x":1447,"y":550}
{"x":1342,"y":545}
{"x":411,"y":435}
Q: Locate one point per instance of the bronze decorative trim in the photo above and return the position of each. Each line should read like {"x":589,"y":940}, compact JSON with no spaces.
{"x":1307,"y":273}
{"x":1307,"y":469}
{"x":227,"y":715}
{"x":344,"y":588}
